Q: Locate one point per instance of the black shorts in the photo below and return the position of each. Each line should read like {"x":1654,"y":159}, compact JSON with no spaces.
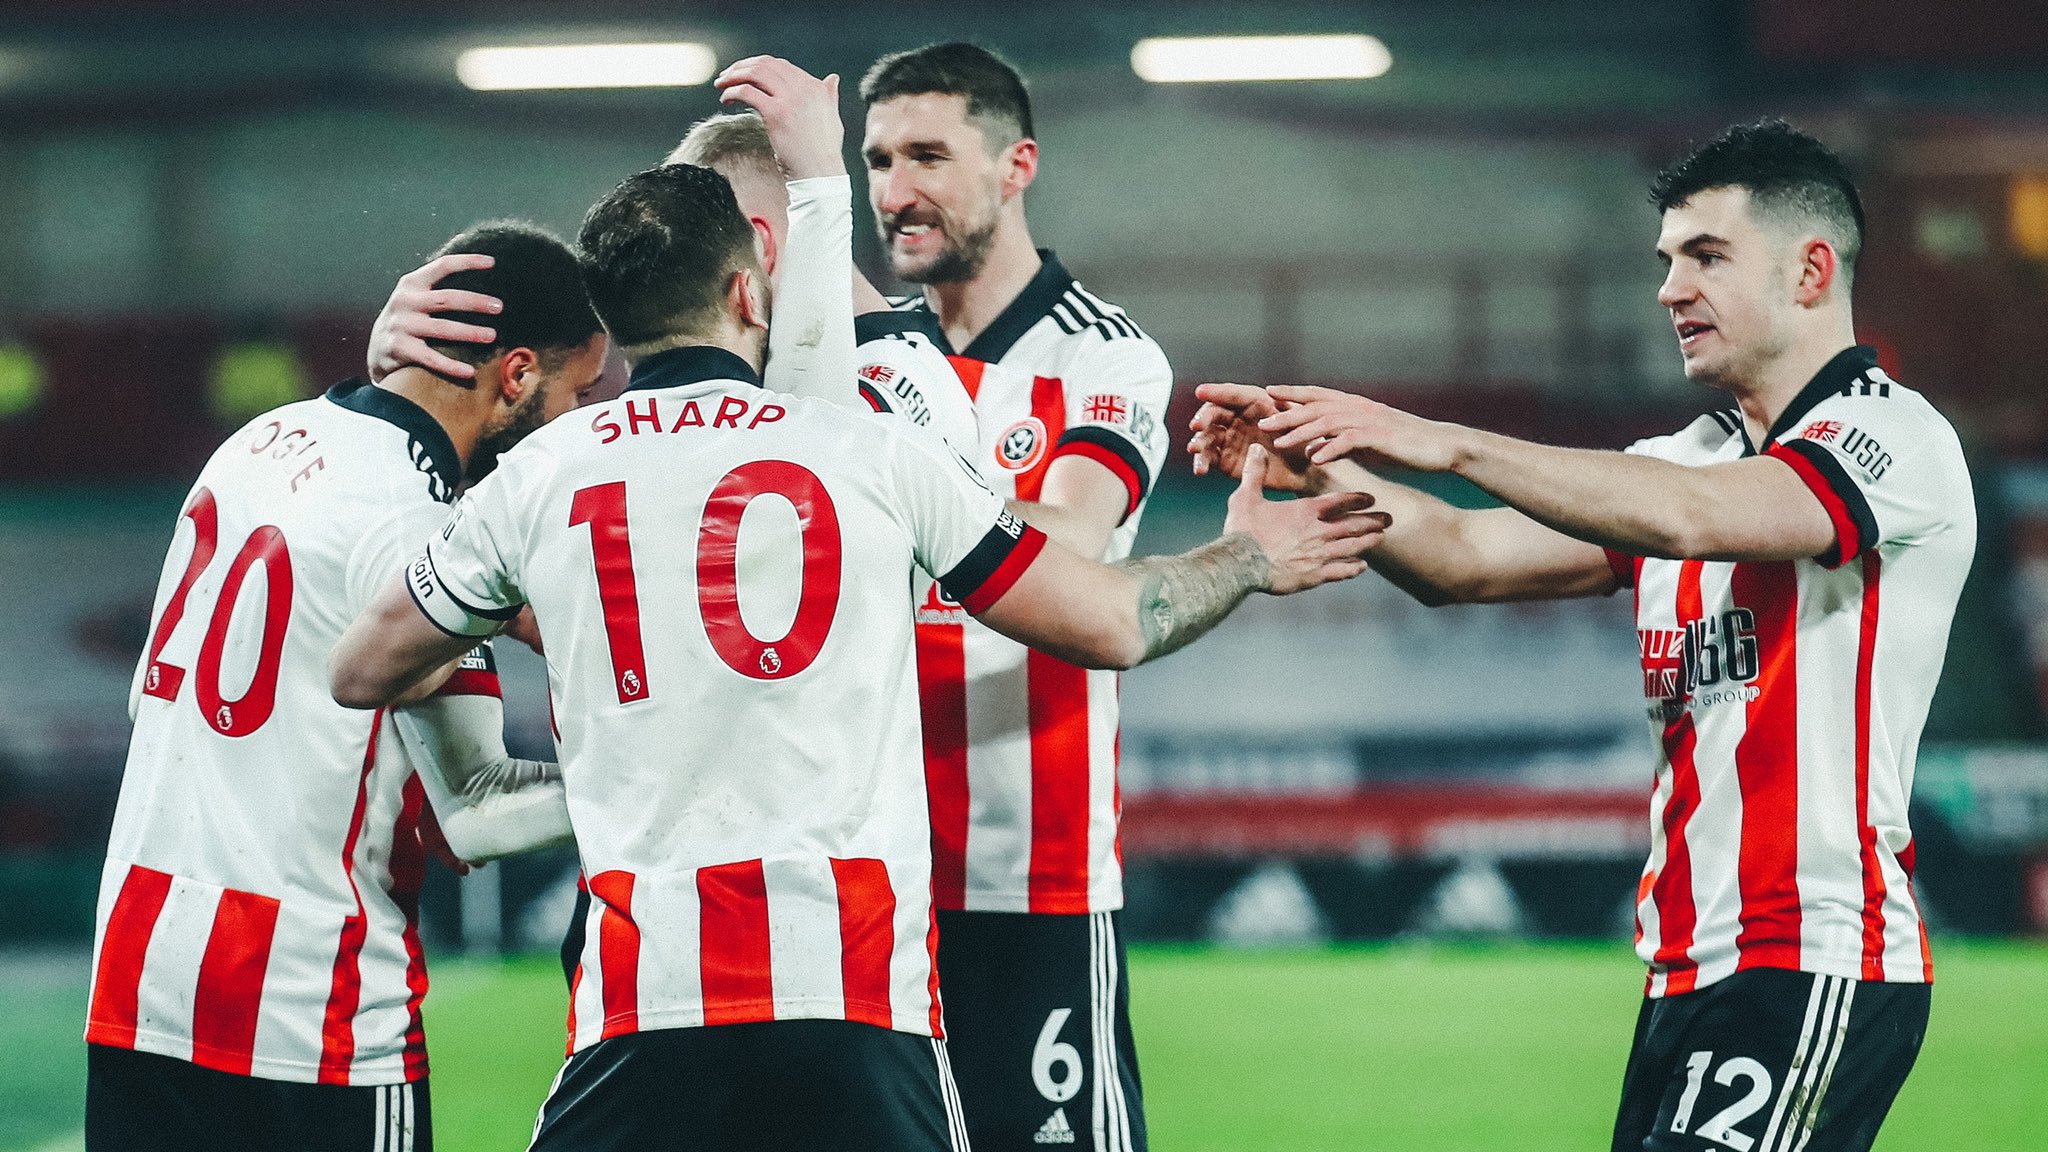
{"x":1769,"y":1061}
{"x":776,"y":1086}
{"x":143,"y":1102}
{"x":1038,"y":1023}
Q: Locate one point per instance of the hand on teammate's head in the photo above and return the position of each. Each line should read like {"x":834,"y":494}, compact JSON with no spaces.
{"x":800,"y":111}
{"x":409,"y":319}
{"x":1307,"y":541}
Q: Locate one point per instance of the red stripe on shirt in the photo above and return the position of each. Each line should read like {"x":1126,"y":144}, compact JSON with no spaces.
{"x":1866,"y":834}
{"x":1049,"y":405}
{"x":931,"y":951}
{"x":229,"y":995}
{"x":471,"y":682}
{"x":1847,"y":539}
{"x":942,"y":698}
{"x":1118,"y":466}
{"x":618,"y":953}
{"x":1767,"y":770}
{"x":1057,"y":702}
{"x":117,"y":985}
{"x":1677,"y":915}
{"x":733,"y":943}
{"x":969,"y":370}
{"x":408,"y":871}
{"x":867,"y":938}
{"x":345,"y":992}
{"x":1007,"y":573}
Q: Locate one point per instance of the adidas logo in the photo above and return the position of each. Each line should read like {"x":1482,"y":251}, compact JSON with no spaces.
{"x":1055,"y":1130}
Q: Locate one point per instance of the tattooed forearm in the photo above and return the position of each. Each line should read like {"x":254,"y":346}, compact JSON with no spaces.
{"x":1181,"y":597}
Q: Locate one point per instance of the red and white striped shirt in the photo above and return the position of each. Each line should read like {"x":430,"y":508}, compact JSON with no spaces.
{"x":719,"y":574}
{"x":1020,"y":747}
{"x":257,"y":912}
{"x":1789,"y":697}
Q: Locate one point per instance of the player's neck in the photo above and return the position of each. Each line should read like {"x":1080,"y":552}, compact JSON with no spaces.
{"x":1781,"y":381}
{"x":967,"y":307}
{"x":461,"y":412}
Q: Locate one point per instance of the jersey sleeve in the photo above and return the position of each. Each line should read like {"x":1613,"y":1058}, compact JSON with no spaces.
{"x":1116,"y":408}
{"x":960,"y":530}
{"x":900,"y":369}
{"x":388,"y":547}
{"x":811,"y":342}
{"x":1875,"y":463}
{"x":467,"y":580}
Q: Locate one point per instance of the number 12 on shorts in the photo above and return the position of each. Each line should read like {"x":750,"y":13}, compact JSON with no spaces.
{"x":1720,"y":1127}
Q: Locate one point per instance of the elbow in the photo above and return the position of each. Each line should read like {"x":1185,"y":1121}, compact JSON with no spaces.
{"x":351,"y":687}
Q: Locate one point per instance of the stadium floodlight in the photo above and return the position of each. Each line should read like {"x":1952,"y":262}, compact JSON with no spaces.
{"x":1224,"y":59}
{"x":676,"y":65}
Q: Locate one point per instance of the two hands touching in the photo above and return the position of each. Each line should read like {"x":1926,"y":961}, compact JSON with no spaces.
{"x":1310,"y":433}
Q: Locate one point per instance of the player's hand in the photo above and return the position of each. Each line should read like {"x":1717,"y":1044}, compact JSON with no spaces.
{"x":408,"y":321}
{"x":1330,"y":425}
{"x":1228,"y":424}
{"x":800,"y":111}
{"x":525,"y":628}
{"x":1310,"y":541}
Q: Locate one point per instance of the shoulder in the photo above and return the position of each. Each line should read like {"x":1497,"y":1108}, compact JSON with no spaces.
{"x":1706,"y":437}
{"x":1080,"y":312}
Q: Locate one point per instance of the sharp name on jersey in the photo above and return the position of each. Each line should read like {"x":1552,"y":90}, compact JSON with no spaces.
{"x":1788,"y":698}
{"x":257,"y":909}
{"x":1021,"y":748}
{"x":735,"y":683}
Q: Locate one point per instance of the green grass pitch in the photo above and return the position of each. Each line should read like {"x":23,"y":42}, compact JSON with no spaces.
{"x":1407,"y":1047}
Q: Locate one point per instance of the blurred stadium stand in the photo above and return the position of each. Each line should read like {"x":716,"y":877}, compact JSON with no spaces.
{"x":200,"y":212}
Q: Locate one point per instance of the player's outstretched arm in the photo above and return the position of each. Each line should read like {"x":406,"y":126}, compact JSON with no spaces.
{"x":488,"y":802}
{"x":1435,"y":551}
{"x":1755,"y":509}
{"x":411,"y":318}
{"x":1121,"y":615}
{"x":389,"y":650}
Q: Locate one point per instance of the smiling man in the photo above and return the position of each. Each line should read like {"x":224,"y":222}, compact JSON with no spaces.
{"x":1020,"y":746}
{"x":1796,"y":562}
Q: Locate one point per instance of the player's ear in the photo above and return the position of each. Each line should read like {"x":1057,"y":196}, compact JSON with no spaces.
{"x":746,"y":298}
{"x":1819,"y":268}
{"x":764,"y":243}
{"x":1019,"y":165}
{"x":518,"y":371}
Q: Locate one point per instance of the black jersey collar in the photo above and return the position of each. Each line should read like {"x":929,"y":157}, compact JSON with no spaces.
{"x":691,"y":365}
{"x":1033,"y":304}
{"x":1847,"y":367}
{"x":432,"y":451}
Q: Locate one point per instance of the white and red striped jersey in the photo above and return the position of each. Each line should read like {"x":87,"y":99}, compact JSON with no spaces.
{"x":1020,"y":747}
{"x":1789,"y":697}
{"x":257,"y":913}
{"x":719,"y":574}
{"x":900,"y":366}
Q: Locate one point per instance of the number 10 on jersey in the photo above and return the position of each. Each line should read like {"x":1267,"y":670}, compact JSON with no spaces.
{"x":603,"y":508}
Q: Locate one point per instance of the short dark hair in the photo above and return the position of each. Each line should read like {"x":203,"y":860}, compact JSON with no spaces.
{"x":993,"y":90}
{"x":535,"y":276}
{"x":657,"y":253}
{"x":1786,"y":172}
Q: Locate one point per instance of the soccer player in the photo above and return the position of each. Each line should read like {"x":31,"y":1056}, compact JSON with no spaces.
{"x":1796,"y":561}
{"x":718,"y":572}
{"x":1020,"y":745}
{"x":258,"y":973}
